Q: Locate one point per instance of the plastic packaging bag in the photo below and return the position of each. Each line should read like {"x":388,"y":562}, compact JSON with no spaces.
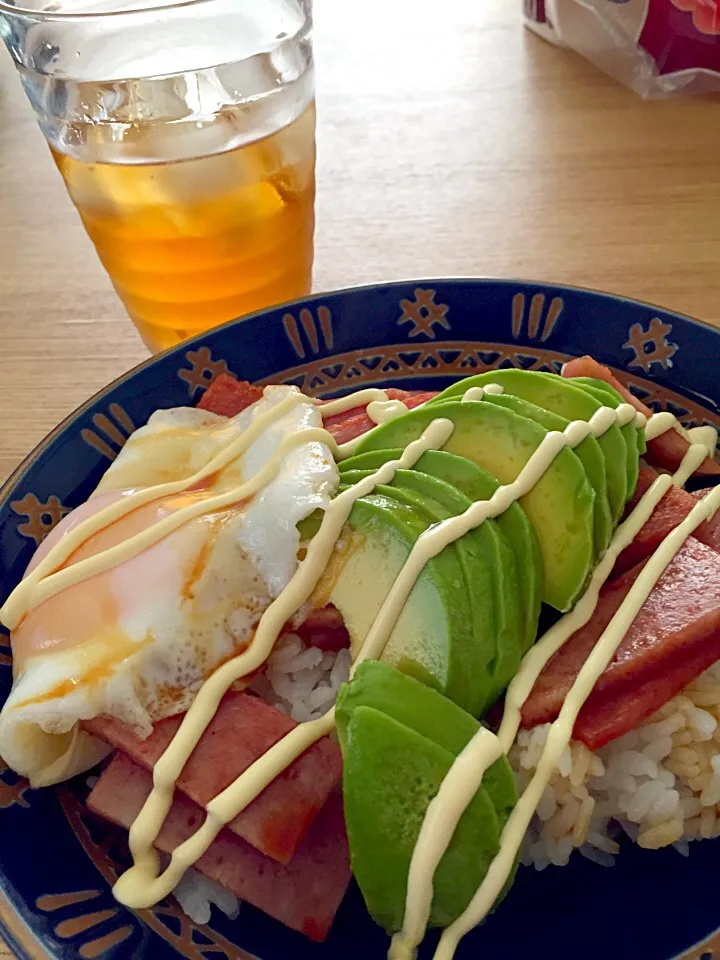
{"x":659,"y":48}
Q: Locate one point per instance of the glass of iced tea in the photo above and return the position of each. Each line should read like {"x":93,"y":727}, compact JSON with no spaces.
{"x":185,"y":133}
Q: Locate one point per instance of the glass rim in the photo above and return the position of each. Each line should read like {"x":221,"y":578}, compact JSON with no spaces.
{"x":150,"y":7}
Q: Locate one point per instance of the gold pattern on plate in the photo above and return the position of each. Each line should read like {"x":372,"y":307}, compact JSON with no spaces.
{"x":100,"y":853}
{"x":650,"y":346}
{"x":49,"y":902}
{"x":312,"y":333}
{"x":202,"y":371}
{"x":81,"y":922}
{"x":111,"y":431}
{"x":95,"y":948}
{"x":533,"y":319}
{"x":67,"y":929}
{"x":20,"y":931}
{"x":319,"y":377}
{"x":12,"y":789}
{"x":456,"y":358}
{"x":5,"y":649}
{"x":423,"y":313}
{"x":403,"y":361}
{"x":40,"y":517}
{"x":708,"y":949}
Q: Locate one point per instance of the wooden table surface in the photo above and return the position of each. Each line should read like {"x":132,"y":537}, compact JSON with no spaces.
{"x":447,"y":145}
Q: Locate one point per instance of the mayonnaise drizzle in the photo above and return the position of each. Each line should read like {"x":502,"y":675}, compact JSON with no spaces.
{"x":517,"y":693}
{"x":704,"y":434}
{"x":328,"y":408}
{"x":142,"y":886}
{"x":53,"y":583}
{"x":24,"y":596}
{"x":561,"y":730}
{"x":696,"y":454}
{"x":660,"y":423}
{"x":30,"y":592}
{"x":702,"y":440}
{"x":382,"y":411}
{"x":465,"y":777}
{"x":423,"y":863}
{"x":477,"y":393}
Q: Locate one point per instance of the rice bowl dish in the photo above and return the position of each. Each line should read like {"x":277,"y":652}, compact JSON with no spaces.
{"x":489,"y":613}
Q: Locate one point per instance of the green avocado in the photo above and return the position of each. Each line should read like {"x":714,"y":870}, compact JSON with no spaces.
{"x":633,"y":437}
{"x":478,"y":484}
{"x":433,"y":636}
{"x":559,"y":396}
{"x":481,"y":605}
{"x":609,"y":396}
{"x":560,"y":505}
{"x":381,"y":686}
{"x":390,"y":775}
{"x":588,"y":452}
{"x":491,"y":578}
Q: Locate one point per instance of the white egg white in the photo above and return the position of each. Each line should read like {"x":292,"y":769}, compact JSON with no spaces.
{"x":163,"y":620}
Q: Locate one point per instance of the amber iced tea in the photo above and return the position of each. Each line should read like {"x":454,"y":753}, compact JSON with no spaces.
{"x":185,"y":133}
{"x":192,"y":243}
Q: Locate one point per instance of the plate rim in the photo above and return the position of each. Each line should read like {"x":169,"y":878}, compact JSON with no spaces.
{"x":20,"y":937}
{"x":19,"y":472}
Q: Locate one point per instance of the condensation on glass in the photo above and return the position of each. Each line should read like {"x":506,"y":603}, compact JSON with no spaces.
{"x":185,"y":134}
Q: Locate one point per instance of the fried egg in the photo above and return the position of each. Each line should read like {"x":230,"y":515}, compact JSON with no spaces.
{"x":136,"y":641}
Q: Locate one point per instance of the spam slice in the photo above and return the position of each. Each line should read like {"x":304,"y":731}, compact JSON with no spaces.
{"x":676,"y":632}
{"x":304,"y":894}
{"x":669,"y":513}
{"x":325,"y":629}
{"x":227,"y":396}
{"x":708,"y":532}
{"x":242,"y":730}
{"x":353,"y":423}
{"x":665,"y":451}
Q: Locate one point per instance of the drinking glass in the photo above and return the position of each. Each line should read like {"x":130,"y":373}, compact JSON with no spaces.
{"x":185,"y":134}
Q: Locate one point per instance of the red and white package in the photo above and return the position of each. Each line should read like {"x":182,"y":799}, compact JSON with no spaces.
{"x":659,"y":48}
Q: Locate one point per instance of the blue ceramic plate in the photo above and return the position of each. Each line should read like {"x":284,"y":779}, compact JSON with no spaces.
{"x":57,"y":862}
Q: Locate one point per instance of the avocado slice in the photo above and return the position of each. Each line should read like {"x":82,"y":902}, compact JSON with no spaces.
{"x":478,"y":484}
{"x":588,"y":452}
{"x":609,"y":396}
{"x":633,"y":437}
{"x":390,"y":775}
{"x":433,"y":636}
{"x":490,"y":575}
{"x":559,"y":396}
{"x":381,"y":686}
{"x":480,"y":605}
{"x":493,"y":570}
{"x":560,"y":505}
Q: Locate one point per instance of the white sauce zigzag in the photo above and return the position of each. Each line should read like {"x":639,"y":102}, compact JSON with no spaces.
{"x":144,"y":885}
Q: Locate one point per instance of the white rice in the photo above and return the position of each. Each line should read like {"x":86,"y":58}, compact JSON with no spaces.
{"x":302,"y":682}
{"x":660,"y":784}
{"x":196,"y":896}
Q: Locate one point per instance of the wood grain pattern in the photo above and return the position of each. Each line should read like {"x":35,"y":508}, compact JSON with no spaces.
{"x":455,"y":146}
{"x":450,"y":143}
